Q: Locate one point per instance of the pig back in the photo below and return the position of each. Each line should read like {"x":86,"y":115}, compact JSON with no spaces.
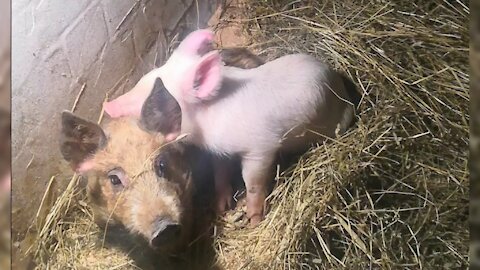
{"x":271,"y":105}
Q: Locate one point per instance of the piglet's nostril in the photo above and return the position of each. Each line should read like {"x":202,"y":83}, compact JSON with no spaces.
{"x":166,"y":234}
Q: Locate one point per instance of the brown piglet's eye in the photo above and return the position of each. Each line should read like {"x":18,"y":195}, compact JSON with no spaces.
{"x":117,"y":177}
{"x":160,"y":166}
{"x":115,"y":180}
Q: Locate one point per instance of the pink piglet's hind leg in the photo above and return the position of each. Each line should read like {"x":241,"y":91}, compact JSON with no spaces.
{"x":256,"y":174}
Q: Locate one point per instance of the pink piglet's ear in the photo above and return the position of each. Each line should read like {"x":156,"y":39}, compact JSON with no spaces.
{"x":205,"y":79}
{"x":197,"y":42}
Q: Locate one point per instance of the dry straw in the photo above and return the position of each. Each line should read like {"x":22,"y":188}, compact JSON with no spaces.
{"x":391,"y":193}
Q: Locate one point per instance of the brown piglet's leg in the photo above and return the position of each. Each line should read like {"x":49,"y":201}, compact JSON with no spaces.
{"x":223,"y":168}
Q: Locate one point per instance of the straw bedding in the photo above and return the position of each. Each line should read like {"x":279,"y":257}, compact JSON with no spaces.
{"x":391,"y":193}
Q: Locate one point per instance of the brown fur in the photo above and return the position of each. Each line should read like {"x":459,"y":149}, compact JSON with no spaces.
{"x":145,"y":198}
{"x":240,"y":57}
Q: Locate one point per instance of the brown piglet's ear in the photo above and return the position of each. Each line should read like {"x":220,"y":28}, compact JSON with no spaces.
{"x":79,"y":140}
{"x":161,"y":112}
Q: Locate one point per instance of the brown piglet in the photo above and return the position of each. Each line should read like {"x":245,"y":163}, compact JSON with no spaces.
{"x":136,"y":179}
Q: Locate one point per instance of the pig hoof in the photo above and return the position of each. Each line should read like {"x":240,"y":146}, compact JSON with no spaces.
{"x":255,"y":220}
{"x":224,"y":203}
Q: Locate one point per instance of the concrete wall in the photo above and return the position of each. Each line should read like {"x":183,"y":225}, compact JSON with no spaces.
{"x":60,"y":47}
{"x":4,"y":55}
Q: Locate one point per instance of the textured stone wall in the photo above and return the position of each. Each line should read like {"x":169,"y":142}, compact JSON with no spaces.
{"x":62,"y":48}
{"x":4,"y":55}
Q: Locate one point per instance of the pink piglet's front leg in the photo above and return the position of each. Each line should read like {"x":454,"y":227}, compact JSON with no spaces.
{"x":256,"y":173}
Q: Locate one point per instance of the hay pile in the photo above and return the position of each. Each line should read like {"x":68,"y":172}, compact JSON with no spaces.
{"x":392,"y":193}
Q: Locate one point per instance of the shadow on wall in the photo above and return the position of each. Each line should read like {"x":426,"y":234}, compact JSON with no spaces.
{"x":5,"y":157}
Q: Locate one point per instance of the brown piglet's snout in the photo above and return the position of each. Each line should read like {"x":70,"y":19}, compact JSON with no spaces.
{"x":166,"y":231}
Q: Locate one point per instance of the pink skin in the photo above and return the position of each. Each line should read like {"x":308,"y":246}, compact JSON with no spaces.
{"x":126,"y":104}
{"x":207,"y":74}
{"x":197,"y":42}
{"x":5,"y":183}
{"x":85,"y":166}
{"x":130,"y":103}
